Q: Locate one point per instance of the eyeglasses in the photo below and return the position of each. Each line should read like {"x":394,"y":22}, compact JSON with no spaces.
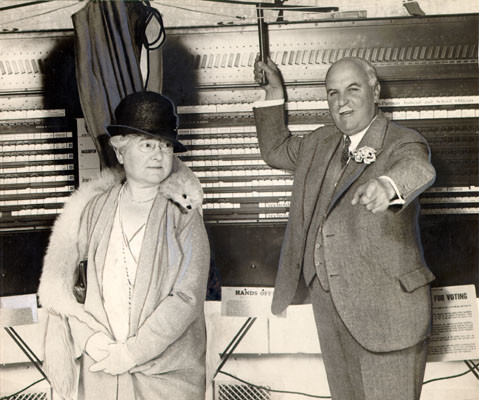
{"x":149,"y":146}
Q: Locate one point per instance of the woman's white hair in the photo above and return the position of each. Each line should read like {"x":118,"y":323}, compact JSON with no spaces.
{"x":119,"y":142}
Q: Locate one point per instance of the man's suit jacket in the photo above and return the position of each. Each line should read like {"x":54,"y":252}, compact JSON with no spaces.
{"x":378,"y":278}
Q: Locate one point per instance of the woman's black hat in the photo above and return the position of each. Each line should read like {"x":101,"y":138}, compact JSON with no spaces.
{"x":147,"y":113}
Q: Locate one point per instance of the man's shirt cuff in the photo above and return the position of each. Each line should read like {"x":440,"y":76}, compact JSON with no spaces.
{"x":398,"y":200}
{"x":268,"y":103}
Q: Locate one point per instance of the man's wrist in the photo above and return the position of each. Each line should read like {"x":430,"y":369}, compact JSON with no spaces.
{"x":392,"y":190}
{"x":274,"y":94}
{"x":390,"y":193}
{"x":267,"y":103}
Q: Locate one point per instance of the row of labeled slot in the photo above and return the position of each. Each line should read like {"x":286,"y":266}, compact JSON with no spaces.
{"x":222,"y":205}
{"x":234,"y":211}
{"x":215,"y":152}
{"x":36,"y":157}
{"x":13,"y":148}
{"x":216,"y":135}
{"x":224,"y":163}
{"x":235,"y":206}
{"x":247,"y":194}
{"x":234,"y":173}
{"x":36,"y":179}
{"x":36,"y":211}
{"x":233,"y":140}
{"x":426,"y":201}
{"x":248,"y":183}
{"x":323,"y":104}
{"x":36,"y":190}
{"x":32,"y":202}
{"x":31,"y":114}
{"x":433,"y":114}
{"x":329,"y":56}
{"x":32,"y":169}
{"x":446,"y":111}
{"x":5,"y":137}
{"x":22,"y":66}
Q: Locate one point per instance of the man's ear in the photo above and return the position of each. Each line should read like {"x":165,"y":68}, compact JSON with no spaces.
{"x":377,"y":92}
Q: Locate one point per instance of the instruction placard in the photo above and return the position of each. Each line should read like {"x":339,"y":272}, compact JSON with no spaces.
{"x":455,"y":326}
{"x":18,"y":310}
{"x":241,"y":301}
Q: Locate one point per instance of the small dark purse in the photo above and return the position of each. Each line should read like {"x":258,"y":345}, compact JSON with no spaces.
{"x":79,"y":288}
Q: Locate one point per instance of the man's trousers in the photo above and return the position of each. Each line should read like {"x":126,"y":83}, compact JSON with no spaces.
{"x":355,"y":373}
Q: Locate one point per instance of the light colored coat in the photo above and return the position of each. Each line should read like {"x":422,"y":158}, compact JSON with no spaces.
{"x":167,"y":329}
{"x":377,"y":275}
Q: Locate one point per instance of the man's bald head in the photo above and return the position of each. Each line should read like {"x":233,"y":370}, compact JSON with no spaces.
{"x":365,"y":65}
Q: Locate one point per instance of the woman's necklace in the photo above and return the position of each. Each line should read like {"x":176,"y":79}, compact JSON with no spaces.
{"x":136,"y":201}
{"x":127,"y":275}
{"x":126,"y":243}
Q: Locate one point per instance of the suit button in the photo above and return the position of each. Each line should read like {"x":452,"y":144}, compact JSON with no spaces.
{"x":318,"y":245}
{"x":316,"y":263}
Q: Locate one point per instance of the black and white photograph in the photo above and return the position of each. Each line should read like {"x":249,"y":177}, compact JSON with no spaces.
{"x":239,"y":200}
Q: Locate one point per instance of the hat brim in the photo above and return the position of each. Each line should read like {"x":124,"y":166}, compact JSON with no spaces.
{"x":115,"y":130}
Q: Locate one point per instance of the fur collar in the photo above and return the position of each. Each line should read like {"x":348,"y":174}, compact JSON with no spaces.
{"x":182,"y":187}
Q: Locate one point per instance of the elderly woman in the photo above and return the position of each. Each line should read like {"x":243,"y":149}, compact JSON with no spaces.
{"x":139,"y":333}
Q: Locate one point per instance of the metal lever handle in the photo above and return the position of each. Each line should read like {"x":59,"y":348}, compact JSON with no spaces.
{"x":263,"y":40}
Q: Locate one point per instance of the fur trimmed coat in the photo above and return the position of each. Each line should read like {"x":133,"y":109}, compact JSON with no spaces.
{"x":167,"y":336}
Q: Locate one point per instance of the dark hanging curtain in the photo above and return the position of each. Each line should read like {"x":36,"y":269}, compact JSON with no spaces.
{"x":108,"y":40}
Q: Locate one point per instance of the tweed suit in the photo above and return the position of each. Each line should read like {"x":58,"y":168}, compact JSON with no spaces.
{"x":377,"y":277}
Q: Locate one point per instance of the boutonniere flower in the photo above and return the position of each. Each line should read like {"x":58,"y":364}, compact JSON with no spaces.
{"x":366,"y":155}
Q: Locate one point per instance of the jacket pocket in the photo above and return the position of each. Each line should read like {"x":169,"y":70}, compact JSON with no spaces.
{"x":415,"y":279}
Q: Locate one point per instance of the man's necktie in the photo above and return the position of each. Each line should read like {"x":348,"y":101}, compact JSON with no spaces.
{"x":345,"y":152}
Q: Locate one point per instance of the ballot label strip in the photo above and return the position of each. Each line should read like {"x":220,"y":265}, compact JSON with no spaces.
{"x":38,"y":167}
{"x":428,"y":73}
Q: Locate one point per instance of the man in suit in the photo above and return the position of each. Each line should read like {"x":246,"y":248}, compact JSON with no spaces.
{"x":353,"y":233}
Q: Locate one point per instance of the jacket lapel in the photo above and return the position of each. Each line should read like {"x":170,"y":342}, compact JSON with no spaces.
{"x":373,"y":138}
{"x":151,"y":250}
{"x":101,"y":232}
{"x":317,"y":170}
